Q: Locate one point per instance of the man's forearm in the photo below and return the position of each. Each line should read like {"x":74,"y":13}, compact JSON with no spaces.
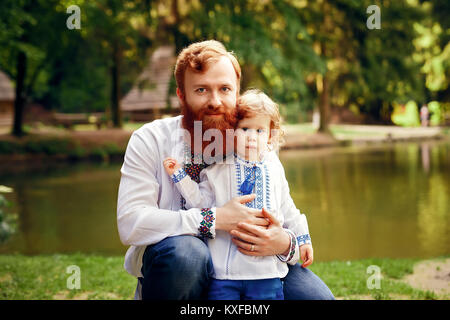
{"x":220,"y":223}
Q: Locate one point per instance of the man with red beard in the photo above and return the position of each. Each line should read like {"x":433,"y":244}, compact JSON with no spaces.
{"x":166,"y":253}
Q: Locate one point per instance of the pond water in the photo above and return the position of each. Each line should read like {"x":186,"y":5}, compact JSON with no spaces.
{"x":361,"y":202}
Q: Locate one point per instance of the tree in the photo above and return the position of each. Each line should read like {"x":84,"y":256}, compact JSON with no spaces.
{"x":367,"y":70}
{"x":16,"y":23}
{"x":269,"y":39}
{"x":120,"y":27}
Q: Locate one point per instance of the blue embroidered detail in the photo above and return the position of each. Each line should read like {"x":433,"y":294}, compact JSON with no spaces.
{"x":261,"y":183}
{"x":267,"y":182}
{"x":178,"y":175}
{"x":238,"y":177}
{"x":259,"y":189}
{"x":303,"y":239}
{"x":258,"y":202}
{"x":249,"y":182}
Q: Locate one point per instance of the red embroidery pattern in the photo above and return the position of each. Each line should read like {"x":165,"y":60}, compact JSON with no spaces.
{"x":207,"y":223}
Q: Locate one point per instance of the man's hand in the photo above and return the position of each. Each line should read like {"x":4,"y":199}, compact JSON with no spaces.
{"x":171,"y":165}
{"x":234,"y":212}
{"x":266,"y":241}
{"x":306,"y":254}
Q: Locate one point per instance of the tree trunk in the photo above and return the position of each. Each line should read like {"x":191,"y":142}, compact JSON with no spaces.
{"x":19,"y":103}
{"x":324,"y":106}
{"x":116,"y":113}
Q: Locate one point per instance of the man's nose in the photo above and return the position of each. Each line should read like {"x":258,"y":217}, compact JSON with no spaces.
{"x":214,"y":100}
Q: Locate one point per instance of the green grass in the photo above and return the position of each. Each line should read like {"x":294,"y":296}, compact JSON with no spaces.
{"x":348,"y":280}
{"x":45,"y":277}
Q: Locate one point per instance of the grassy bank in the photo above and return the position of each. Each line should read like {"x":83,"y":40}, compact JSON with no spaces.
{"x":71,"y":145}
{"x":85,"y":143}
{"x":45,"y":277}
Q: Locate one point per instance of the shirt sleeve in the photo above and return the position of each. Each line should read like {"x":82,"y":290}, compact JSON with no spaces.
{"x":197,"y":195}
{"x":295,"y":223}
{"x":140,"y":221}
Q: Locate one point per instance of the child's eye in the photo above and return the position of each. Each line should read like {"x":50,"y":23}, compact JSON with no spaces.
{"x":260,"y":130}
{"x":244,"y":128}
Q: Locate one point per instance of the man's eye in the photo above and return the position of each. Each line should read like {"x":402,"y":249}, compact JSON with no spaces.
{"x":200,"y":90}
{"x":226,"y":89}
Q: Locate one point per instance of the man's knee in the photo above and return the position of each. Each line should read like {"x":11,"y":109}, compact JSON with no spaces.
{"x":191,"y":254}
{"x":176,"y":268}
{"x":302,"y":284}
{"x":182,"y":253}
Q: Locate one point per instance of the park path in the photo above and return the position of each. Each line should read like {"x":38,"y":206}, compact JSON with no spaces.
{"x":360,"y":134}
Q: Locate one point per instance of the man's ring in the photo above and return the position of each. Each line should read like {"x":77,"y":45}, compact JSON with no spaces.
{"x":252,"y":248}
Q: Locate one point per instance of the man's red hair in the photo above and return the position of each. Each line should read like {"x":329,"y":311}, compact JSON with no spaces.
{"x":198,"y":55}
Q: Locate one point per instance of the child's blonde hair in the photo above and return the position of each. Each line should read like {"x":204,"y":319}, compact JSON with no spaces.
{"x":253,"y":102}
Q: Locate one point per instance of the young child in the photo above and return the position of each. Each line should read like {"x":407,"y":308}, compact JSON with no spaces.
{"x":254,"y":169}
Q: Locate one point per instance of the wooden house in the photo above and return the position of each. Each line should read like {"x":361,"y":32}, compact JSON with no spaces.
{"x":149,"y":98}
{"x":7,"y":97}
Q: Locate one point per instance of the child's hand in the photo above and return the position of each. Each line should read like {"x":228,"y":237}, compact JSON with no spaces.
{"x":171,"y":165}
{"x":306,"y":254}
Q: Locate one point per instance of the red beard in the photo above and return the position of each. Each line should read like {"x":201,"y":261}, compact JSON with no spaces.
{"x":227,"y":120}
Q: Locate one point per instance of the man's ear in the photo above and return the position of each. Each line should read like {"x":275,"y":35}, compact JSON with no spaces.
{"x":180,"y":96}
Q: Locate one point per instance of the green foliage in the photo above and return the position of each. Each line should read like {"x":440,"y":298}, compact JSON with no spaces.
{"x":284,"y":47}
{"x":48,"y":146}
{"x":8,"y":147}
{"x":406,"y":115}
{"x":270,"y":41}
{"x":98,"y":154}
{"x":436,"y":114}
{"x":61,"y":146}
{"x":77,"y":152}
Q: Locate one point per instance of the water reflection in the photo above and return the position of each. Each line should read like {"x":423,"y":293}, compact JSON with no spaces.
{"x":373,"y":202}
{"x":383,"y":201}
{"x":425,"y":153}
{"x":68,"y":210}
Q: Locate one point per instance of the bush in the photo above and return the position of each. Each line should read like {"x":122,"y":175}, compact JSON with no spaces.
{"x":77,"y":151}
{"x":52,"y":147}
{"x":33,"y":146}
{"x":99,"y":154}
{"x":7,"y":147}
{"x":8,"y":222}
{"x":111,"y":149}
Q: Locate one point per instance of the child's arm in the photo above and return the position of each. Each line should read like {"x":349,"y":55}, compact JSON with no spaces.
{"x":296,"y":224}
{"x":196,"y":195}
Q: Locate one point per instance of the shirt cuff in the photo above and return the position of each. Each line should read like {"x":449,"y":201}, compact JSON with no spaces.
{"x":303,"y":239}
{"x":207,"y":226}
{"x":292,"y":248}
{"x":178,"y":175}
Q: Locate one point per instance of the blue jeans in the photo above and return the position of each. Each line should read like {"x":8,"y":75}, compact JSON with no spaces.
{"x":263,"y":289}
{"x":180,"y":268}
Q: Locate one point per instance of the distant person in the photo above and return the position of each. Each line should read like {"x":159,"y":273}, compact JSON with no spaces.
{"x":238,"y":273}
{"x":166,"y":252}
{"x":424,"y":115}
